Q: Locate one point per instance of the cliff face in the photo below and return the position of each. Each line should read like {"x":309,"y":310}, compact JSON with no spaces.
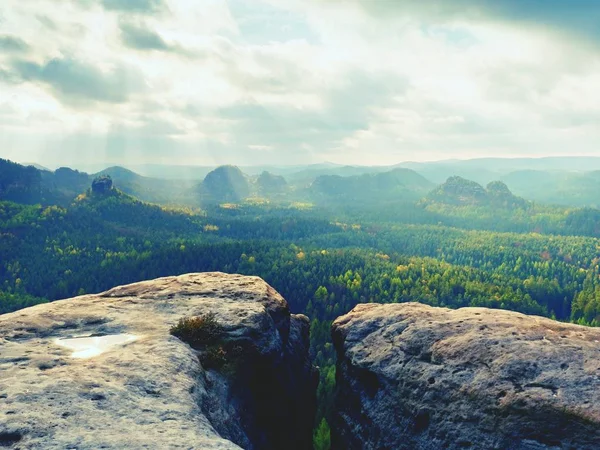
{"x":415,"y":377}
{"x":131,"y":384}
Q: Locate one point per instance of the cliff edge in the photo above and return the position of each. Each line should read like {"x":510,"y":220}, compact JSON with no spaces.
{"x":103,"y":371}
{"x":411,"y":376}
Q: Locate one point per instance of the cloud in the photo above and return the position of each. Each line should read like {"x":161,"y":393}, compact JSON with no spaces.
{"x":576,"y":17}
{"x":75,"y":81}
{"x":292,"y":81}
{"x":46,"y":21}
{"x":141,"y":38}
{"x":137,"y":6}
{"x":13,"y":44}
{"x":345,"y":109}
{"x":265,"y":69}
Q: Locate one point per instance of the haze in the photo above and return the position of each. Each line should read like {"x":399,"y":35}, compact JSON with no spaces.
{"x":100,"y":82}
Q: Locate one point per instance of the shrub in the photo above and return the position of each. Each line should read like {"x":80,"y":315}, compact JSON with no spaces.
{"x":215,"y":357}
{"x":198,"y":332}
{"x":206,"y":335}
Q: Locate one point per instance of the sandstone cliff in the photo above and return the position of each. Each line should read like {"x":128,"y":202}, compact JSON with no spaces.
{"x":130,"y":384}
{"x":415,"y":377}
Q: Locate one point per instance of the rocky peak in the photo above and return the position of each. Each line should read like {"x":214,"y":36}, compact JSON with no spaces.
{"x":102,"y":185}
{"x":66,"y":175}
{"x":498,"y":188}
{"x":457,"y":190}
{"x":226,"y":183}
{"x":104,"y":371}
{"x":269,"y":183}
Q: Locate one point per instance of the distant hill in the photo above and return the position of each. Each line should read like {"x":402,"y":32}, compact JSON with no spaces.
{"x":397,"y":184}
{"x":484,"y":170}
{"x":153,"y":190}
{"x":308,"y":175}
{"x":440,"y":172}
{"x":294,"y":171}
{"x":20,"y":184}
{"x":561,"y":163}
{"x":198,"y":173}
{"x":507,"y":165}
{"x":225,"y":184}
{"x":37,"y":166}
{"x":269,"y":184}
{"x":67,"y":182}
{"x":459,"y":191}
{"x":123,"y":174}
{"x":229,"y":184}
{"x":172,"y":172}
{"x":547,"y":181}
{"x":578,"y":189}
{"x":29,"y":185}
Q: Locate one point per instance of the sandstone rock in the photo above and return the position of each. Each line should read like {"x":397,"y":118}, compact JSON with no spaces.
{"x":152,"y":392}
{"x":415,"y":377}
{"x":269,"y":183}
{"x":102,"y":185}
{"x":225,"y":184}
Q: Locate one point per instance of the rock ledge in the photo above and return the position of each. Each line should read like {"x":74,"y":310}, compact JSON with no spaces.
{"x":153,"y":392}
{"x":415,"y":377}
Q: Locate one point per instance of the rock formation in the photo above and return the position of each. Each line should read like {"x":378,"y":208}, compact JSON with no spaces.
{"x":131,"y":384}
{"x":225,"y":184}
{"x":415,"y":377}
{"x":102,"y":185}
{"x":268,"y":183}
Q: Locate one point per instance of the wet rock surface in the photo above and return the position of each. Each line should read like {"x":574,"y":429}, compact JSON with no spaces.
{"x":415,"y":377}
{"x":152,"y":391}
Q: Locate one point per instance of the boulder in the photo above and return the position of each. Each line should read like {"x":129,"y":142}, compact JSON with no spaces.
{"x":104,"y":371}
{"x":411,"y":376}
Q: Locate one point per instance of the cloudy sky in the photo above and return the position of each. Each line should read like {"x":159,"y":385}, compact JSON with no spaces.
{"x":297,"y":81}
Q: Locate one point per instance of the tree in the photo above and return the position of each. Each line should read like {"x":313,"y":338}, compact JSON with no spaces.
{"x":322,"y":437}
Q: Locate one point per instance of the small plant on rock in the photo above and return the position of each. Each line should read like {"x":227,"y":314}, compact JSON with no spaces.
{"x":206,"y":335}
{"x":215,"y":357}
{"x":199,"y":332}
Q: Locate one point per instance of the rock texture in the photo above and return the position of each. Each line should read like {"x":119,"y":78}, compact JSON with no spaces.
{"x":415,"y":377}
{"x":153,"y":392}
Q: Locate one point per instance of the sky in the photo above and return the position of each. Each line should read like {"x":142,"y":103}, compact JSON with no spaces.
{"x":281,"y":82}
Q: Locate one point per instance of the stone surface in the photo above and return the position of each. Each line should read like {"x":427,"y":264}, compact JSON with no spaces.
{"x":415,"y":377}
{"x":153,"y":392}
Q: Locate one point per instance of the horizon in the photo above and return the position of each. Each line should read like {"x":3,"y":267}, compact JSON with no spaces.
{"x":133,"y":167}
{"x":297,"y":82}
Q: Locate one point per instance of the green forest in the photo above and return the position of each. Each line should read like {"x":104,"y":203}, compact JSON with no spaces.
{"x":458,"y":244}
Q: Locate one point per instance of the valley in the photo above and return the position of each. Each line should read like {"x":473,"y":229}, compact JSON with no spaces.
{"x":384,"y":237}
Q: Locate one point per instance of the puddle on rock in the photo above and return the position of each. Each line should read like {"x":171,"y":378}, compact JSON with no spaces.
{"x":90,"y":346}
